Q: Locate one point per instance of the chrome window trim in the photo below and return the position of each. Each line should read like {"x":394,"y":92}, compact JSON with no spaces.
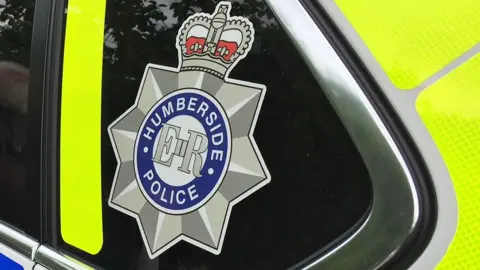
{"x":14,"y":255}
{"x":404,"y":103}
{"x":18,"y":241}
{"x":395,"y":210}
{"x":52,"y":259}
{"x":37,"y":253}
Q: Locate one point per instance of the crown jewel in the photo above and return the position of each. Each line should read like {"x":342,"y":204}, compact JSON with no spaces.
{"x":214,"y":43}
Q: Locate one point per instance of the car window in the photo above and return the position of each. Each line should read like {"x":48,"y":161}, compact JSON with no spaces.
{"x":314,"y":184}
{"x":15,"y":35}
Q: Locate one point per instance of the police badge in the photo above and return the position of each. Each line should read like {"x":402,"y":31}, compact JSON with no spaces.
{"x":185,"y":150}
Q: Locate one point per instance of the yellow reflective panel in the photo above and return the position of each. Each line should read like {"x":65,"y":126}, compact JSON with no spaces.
{"x":451,"y":111}
{"x":80,"y":151}
{"x":412,"y":39}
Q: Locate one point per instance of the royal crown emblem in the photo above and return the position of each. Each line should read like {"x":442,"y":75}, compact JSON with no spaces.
{"x":214,"y":44}
{"x":185,"y":149}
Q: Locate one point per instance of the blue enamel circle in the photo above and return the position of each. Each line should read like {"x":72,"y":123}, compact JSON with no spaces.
{"x":182,"y":151}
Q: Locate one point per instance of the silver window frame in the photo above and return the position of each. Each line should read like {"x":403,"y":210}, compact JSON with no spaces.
{"x":395,"y":211}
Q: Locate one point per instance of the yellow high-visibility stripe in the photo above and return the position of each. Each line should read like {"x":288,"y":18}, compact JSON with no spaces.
{"x":450,"y":109}
{"x":80,"y":130}
{"x":411,"y":39}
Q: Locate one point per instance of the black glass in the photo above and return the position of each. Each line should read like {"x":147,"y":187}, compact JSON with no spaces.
{"x":15,"y":37}
{"x":320,"y":188}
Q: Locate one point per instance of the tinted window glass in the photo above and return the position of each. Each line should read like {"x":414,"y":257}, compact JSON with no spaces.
{"x":15,"y":35}
{"x":320,"y":187}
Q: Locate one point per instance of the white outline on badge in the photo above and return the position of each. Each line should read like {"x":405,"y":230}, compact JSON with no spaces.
{"x":219,"y":205}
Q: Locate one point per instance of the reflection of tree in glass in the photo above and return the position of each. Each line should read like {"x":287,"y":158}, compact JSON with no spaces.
{"x":15,"y":36}
{"x":16,"y":19}
{"x":141,"y":32}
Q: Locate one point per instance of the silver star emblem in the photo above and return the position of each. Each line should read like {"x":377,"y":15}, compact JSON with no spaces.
{"x":205,"y":226}
{"x":185,"y":149}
